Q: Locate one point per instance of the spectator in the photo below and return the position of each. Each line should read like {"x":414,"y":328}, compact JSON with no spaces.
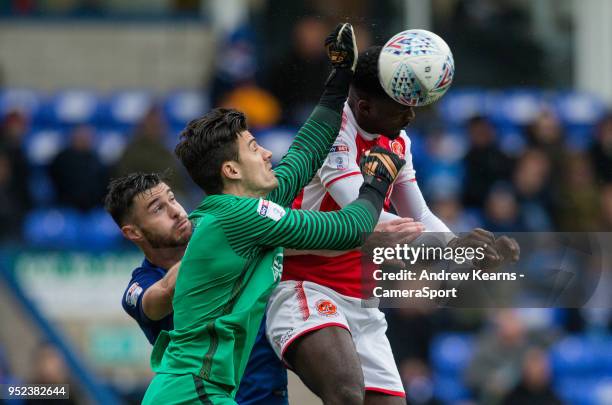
{"x":290,"y":80}
{"x":578,"y":201}
{"x":601,"y":150}
{"x":546,"y":134}
{"x":502,"y":211}
{"x":534,"y":387}
{"x":12,"y":132}
{"x":485,"y":164}
{"x":496,"y":365}
{"x":11,"y":211}
{"x":148,"y":153}
{"x":531,"y":179}
{"x":450,"y":210}
{"x":49,"y":368}
{"x":78,"y":175}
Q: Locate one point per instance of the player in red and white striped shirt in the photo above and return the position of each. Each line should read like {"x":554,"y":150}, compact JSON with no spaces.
{"x":315,"y":320}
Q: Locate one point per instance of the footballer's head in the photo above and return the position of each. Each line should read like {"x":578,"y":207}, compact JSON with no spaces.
{"x":144,"y":207}
{"x":374,"y":110}
{"x":222,"y":156}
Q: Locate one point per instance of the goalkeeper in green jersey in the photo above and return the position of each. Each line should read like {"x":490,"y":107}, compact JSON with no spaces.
{"x":235,"y":256}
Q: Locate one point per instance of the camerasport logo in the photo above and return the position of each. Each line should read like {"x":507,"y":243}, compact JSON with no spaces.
{"x":327,"y":308}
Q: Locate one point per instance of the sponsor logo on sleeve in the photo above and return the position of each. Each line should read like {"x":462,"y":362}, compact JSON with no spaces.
{"x":339,"y":157}
{"x":269,"y":209}
{"x":131,"y":297}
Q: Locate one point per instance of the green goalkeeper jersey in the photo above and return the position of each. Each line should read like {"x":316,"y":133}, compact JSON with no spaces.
{"x":234,"y":261}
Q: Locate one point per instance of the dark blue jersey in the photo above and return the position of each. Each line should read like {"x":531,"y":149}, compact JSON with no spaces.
{"x":265,"y":378}
{"x":142,"y":278}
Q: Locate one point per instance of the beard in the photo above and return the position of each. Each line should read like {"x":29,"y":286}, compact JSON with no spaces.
{"x":166,"y":241}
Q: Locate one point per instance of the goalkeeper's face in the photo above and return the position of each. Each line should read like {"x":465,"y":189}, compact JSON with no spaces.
{"x":254,"y":167}
{"x":160,"y":219}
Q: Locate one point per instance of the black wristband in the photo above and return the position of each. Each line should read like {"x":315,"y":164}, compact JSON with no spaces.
{"x":373,"y":194}
{"x":336,"y":89}
{"x":377,"y":183}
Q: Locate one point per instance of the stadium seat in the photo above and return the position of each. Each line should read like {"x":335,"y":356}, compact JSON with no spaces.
{"x":98,"y":231}
{"x":24,"y":100}
{"x":71,"y":107}
{"x":511,"y":141}
{"x":451,"y":353}
{"x":582,"y":390}
{"x":575,"y":356}
{"x":579,"y":113}
{"x":52,"y":228}
{"x":181,"y":107}
{"x":450,"y":390}
{"x":125,"y":108}
{"x":42,"y":145}
{"x":110,"y":144}
{"x":578,"y":108}
{"x":41,"y":187}
{"x":516,"y":108}
{"x":458,"y":106}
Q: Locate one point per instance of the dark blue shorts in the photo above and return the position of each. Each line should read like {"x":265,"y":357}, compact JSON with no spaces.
{"x":265,"y":378}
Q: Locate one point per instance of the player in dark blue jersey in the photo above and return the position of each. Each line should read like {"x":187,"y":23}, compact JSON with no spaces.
{"x":145,"y":209}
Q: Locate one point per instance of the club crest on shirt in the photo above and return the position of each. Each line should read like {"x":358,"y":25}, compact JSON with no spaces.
{"x":397,"y":148}
{"x":269,"y":209}
{"x":131,"y":297}
{"x":339,"y":157}
{"x":327,"y":308}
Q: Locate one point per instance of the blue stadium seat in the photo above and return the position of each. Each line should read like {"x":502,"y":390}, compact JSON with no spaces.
{"x":576,"y":356}
{"x":277,"y":140}
{"x":110,"y":144}
{"x":52,"y":228}
{"x":42,"y":145}
{"x":578,"y":108}
{"x":460,"y":105}
{"x":125,"y":108}
{"x":450,"y":390}
{"x":70,"y":107}
{"x":511,"y":141}
{"x":517,"y":108}
{"x":583,"y":390}
{"x":451,"y":353}
{"x":579,"y":113}
{"x":183,"y":106}
{"x":41,"y":187}
{"x":24,"y":100}
{"x":98,"y":231}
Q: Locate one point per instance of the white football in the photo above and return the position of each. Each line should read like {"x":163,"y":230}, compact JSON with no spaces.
{"x":416,"y":67}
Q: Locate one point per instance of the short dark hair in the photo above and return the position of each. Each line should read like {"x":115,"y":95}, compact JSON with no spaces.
{"x":121,"y":192}
{"x":207,"y":142}
{"x":366,"y":80}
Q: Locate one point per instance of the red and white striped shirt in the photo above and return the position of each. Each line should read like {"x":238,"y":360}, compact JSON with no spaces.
{"x":337,"y":184}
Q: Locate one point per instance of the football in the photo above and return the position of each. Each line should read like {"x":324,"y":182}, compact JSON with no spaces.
{"x":416,"y":67}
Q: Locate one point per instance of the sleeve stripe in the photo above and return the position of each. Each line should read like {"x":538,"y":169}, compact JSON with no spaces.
{"x":332,"y":181}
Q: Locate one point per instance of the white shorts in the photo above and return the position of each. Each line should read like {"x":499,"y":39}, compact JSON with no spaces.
{"x":299,"y":307}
